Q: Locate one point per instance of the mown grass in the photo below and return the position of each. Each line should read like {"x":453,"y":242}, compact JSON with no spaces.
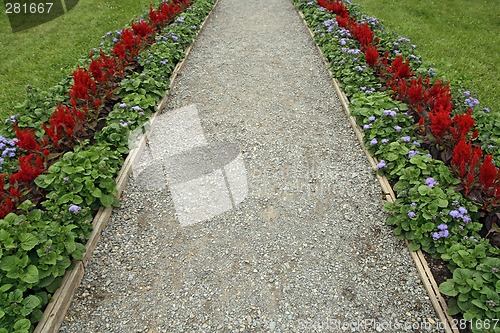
{"x":459,"y":36}
{"x":42,"y":56}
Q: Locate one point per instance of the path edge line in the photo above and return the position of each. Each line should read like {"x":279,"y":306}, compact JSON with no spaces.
{"x":421,"y":264}
{"x":58,"y":306}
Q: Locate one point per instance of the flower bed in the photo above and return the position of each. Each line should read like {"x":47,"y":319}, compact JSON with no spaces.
{"x":67,"y":148}
{"x":434,"y":145}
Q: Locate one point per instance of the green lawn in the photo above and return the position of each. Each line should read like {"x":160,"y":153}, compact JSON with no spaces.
{"x":457,"y":35}
{"x":43,"y":55}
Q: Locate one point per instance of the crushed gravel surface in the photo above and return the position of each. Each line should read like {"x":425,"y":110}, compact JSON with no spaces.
{"x":306,"y":249}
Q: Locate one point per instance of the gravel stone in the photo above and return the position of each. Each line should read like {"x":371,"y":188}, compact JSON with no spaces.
{"x":307,"y":249}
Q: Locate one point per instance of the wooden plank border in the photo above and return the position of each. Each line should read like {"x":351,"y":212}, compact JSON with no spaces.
{"x":57,"y":308}
{"x":421,"y":264}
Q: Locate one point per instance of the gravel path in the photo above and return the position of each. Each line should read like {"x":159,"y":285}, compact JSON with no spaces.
{"x":298,"y":243}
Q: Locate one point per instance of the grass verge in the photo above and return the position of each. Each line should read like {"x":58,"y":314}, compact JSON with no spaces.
{"x":42,"y":56}
{"x":460,"y":37}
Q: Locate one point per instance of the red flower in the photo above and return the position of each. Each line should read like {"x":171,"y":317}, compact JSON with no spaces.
{"x":26,"y":139}
{"x":488,"y":173}
{"x":440,"y":122}
{"x":371,"y":55}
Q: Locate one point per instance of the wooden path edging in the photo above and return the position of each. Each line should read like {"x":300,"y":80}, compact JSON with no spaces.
{"x":57,"y":308}
{"x":421,"y":264}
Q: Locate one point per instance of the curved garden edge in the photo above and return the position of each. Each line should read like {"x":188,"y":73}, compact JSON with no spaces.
{"x":421,"y":264}
{"x":56,"y":310}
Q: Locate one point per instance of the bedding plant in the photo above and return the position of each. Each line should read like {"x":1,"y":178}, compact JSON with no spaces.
{"x":436,"y":146}
{"x":63,"y":149}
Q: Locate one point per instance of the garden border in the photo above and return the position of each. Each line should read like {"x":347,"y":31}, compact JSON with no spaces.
{"x":421,"y":264}
{"x":57,"y":308}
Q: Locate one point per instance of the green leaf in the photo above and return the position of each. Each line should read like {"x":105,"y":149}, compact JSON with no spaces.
{"x":22,"y":325}
{"x":453,"y":308}
{"x":448,"y":288}
{"x":414,"y":246}
{"x":65,"y":198}
{"x":30,"y":275}
{"x":70,"y":246}
{"x":35,"y":214}
{"x":9,"y":263}
{"x":442,"y":203}
{"x":97,"y":192}
{"x":107,"y":200}
{"x":28,"y":241}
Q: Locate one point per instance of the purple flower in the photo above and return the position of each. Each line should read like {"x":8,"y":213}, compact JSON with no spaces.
{"x":455,"y":214}
{"x":412,"y":153}
{"x":462,"y":210}
{"x":123,"y":105}
{"x":442,"y":226}
{"x":74,"y":208}
{"x":416,"y":143}
{"x":389,"y":113}
{"x":397,"y":128}
{"x":371,"y":118}
{"x":384,"y":141}
{"x":444,"y":233}
{"x":413,"y":204}
{"x":65,"y":179}
{"x":406,"y":139}
{"x":180,"y":19}
{"x":381,"y":164}
{"x":436,"y":236}
{"x":175,"y":38}
{"x":367,"y":126}
{"x":431,"y":182}
{"x":373,"y":141}
{"x":411,"y":214}
{"x":136,"y":108}
{"x":487,"y":110}
{"x":466,"y":219}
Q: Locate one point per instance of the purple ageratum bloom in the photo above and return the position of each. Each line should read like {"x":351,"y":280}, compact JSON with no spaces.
{"x":455,"y":214}
{"x":413,"y":204}
{"x":328,"y":23}
{"x":74,"y":208}
{"x":180,"y":19}
{"x":65,"y":179}
{"x":431,"y":182}
{"x":384,"y":141}
{"x":436,"y":236}
{"x":416,"y":143}
{"x":462,"y":210}
{"x":444,"y":233}
{"x":397,"y":128}
{"x":389,"y":113}
{"x":466,"y":219}
{"x":406,"y":139}
{"x":367,"y":126}
{"x":175,"y":38}
{"x":381,"y":164}
{"x":411,"y":214}
{"x":373,"y":141}
{"x":123,"y":105}
{"x":371,"y":118}
{"x":487,"y":110}
{"x":136,"y":108}
{"x":412,"y":153}
{"x":442,"y":227}
{"x":163,"y":62}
